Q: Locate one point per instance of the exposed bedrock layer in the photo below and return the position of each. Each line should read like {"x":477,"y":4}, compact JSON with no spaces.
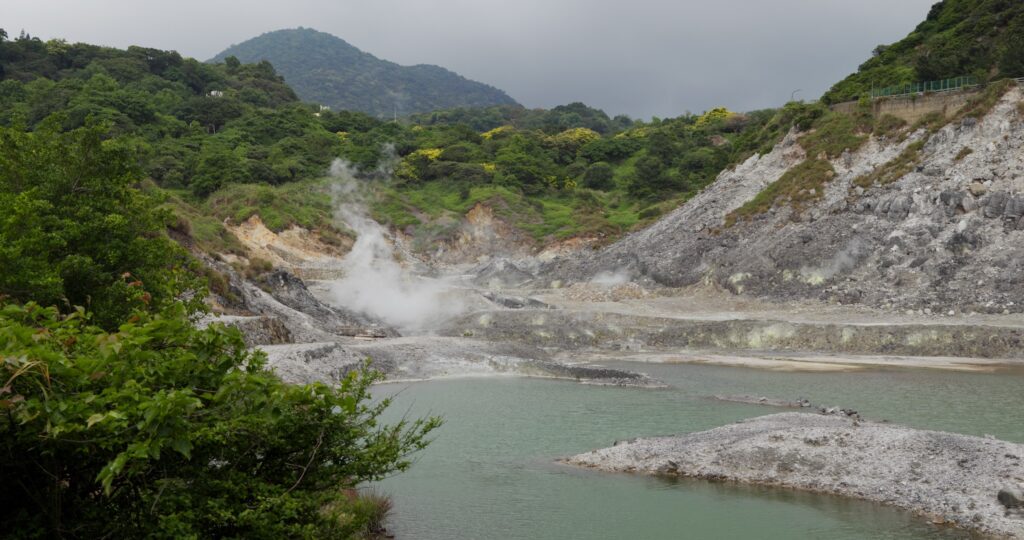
{"x":970,"y":482}
{"x":425,"y":357}
{"x":616,"y":331}
{"x":946,"y":233}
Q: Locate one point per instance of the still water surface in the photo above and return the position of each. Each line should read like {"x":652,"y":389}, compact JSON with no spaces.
{"x":491,"y":474}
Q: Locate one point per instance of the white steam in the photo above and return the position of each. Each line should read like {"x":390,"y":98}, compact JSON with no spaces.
{"x":843,"y":261}
{"x":611,"y":279}
{"x":375,"y":283}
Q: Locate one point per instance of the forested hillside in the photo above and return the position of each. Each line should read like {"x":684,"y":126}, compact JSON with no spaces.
{"x":327,"y":70}
{"x":229,"y":140}
{"x":983,"y":39}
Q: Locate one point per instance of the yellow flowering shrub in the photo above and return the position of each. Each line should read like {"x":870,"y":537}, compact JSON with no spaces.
{"x":496,"y":132}
{"x":714,"y":115}
{"x":431,"y":154}
{"x":575,"y":137}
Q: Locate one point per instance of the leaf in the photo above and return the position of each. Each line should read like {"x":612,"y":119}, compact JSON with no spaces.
{"x":94,"y":419}
{"x":183,"y":447}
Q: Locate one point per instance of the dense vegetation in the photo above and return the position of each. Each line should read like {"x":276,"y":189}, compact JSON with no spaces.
{"x":554,"y":180}
{"x":980,"y":38}
{"x":226,"y":141}
{"x":327,"y":70}
{"x":118,"y":417}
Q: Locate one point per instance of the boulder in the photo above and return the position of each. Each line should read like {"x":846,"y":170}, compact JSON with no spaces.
{"x":995,"y":203}
{"x":1014,"y":208}
{"x":1012,"y":497}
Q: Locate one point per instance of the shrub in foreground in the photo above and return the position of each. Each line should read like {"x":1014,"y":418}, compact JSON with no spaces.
{"x":160,"y":429}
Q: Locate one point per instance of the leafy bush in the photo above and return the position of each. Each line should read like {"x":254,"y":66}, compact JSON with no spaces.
{"x":74,"y":232}
{"x":163,"y":430}
{"x":599,"y":176}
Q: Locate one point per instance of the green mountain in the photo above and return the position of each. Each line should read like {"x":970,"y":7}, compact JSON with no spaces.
{"x":325,"y":69}
{"x":979,"y":38}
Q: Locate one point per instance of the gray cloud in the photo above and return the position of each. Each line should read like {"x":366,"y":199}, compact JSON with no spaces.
{"x":638,"y":57}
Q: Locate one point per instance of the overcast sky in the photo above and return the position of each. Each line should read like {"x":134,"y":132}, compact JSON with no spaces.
{"x":637,"y":57}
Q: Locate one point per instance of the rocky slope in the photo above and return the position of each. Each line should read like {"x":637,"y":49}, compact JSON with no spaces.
{"x":948,"y":235}
{"x":969,"y":482}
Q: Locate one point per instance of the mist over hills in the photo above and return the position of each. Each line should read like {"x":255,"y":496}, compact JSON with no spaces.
{"x":326,"y":69}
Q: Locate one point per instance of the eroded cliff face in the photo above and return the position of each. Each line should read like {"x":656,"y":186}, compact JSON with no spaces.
{"x":948,"y":235}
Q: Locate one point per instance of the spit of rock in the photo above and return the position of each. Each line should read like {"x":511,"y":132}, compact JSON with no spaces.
{"x":972,"y":482}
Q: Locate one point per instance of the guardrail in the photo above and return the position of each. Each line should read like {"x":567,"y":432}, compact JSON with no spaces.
{"x":944,"y":85}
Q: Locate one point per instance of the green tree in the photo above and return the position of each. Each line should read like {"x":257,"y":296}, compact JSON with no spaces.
{"x":164,"y":430}
{"x":73,"y":231}
{"x":599,"y":176}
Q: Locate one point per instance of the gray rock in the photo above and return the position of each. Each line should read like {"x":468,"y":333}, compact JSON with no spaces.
{"x":256,"y":330}
{"x":292,"y":292}
{"x":1011,"y":497}
{"x":995,"y":203}
{"x":1014,"y":207}
{"x":968,"y":204}
{"x":499,"y":273}
{"x":913,"y":469}
{"x":900,"y":207}
{"x":515,"y":302}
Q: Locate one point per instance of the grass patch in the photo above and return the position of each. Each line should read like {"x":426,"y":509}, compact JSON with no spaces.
{"x":208,"y":232}
{"x":434,"y":209}
{"x":895,"y":169}
{"x":888,"y":125}
{"x":964,"y":152}
{"x":833,"y":133}
{"x":306,"y":203}
{"x":980,"y":105}
{"x":798,"y":186}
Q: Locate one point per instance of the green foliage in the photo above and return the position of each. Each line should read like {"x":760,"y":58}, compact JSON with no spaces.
{"x":599,"y":175}
{"x":306,"y":204}
{"x":798,"y":186}
{"x":74,"y":232}
{"x":888,"y":125}
{"x":833,"y":133}
{"x":980,"y":38}
{"x":163,"y":430}
{"x":964,"y":152}
{"x":558,"y":119}
{"x":325,"y":69}
{"x":229,"y":141}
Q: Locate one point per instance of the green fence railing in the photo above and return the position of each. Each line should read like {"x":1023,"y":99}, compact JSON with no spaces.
{"x":945,"y":85}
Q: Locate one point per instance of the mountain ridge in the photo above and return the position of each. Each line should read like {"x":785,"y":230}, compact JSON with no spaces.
{"x":326,"y":69}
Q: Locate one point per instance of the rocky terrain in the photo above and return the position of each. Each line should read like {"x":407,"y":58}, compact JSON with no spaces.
{"x":947,"y":236}
{"x":923,"y":272}
{"x":970,"y":482}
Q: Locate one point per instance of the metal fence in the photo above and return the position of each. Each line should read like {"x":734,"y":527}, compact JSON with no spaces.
{"x":945,"y":85}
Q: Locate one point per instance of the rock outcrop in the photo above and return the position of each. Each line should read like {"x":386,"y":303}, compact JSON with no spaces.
{"x":281,"y":296}
{"x":947,"y":235}
{"x":970,"y":482}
